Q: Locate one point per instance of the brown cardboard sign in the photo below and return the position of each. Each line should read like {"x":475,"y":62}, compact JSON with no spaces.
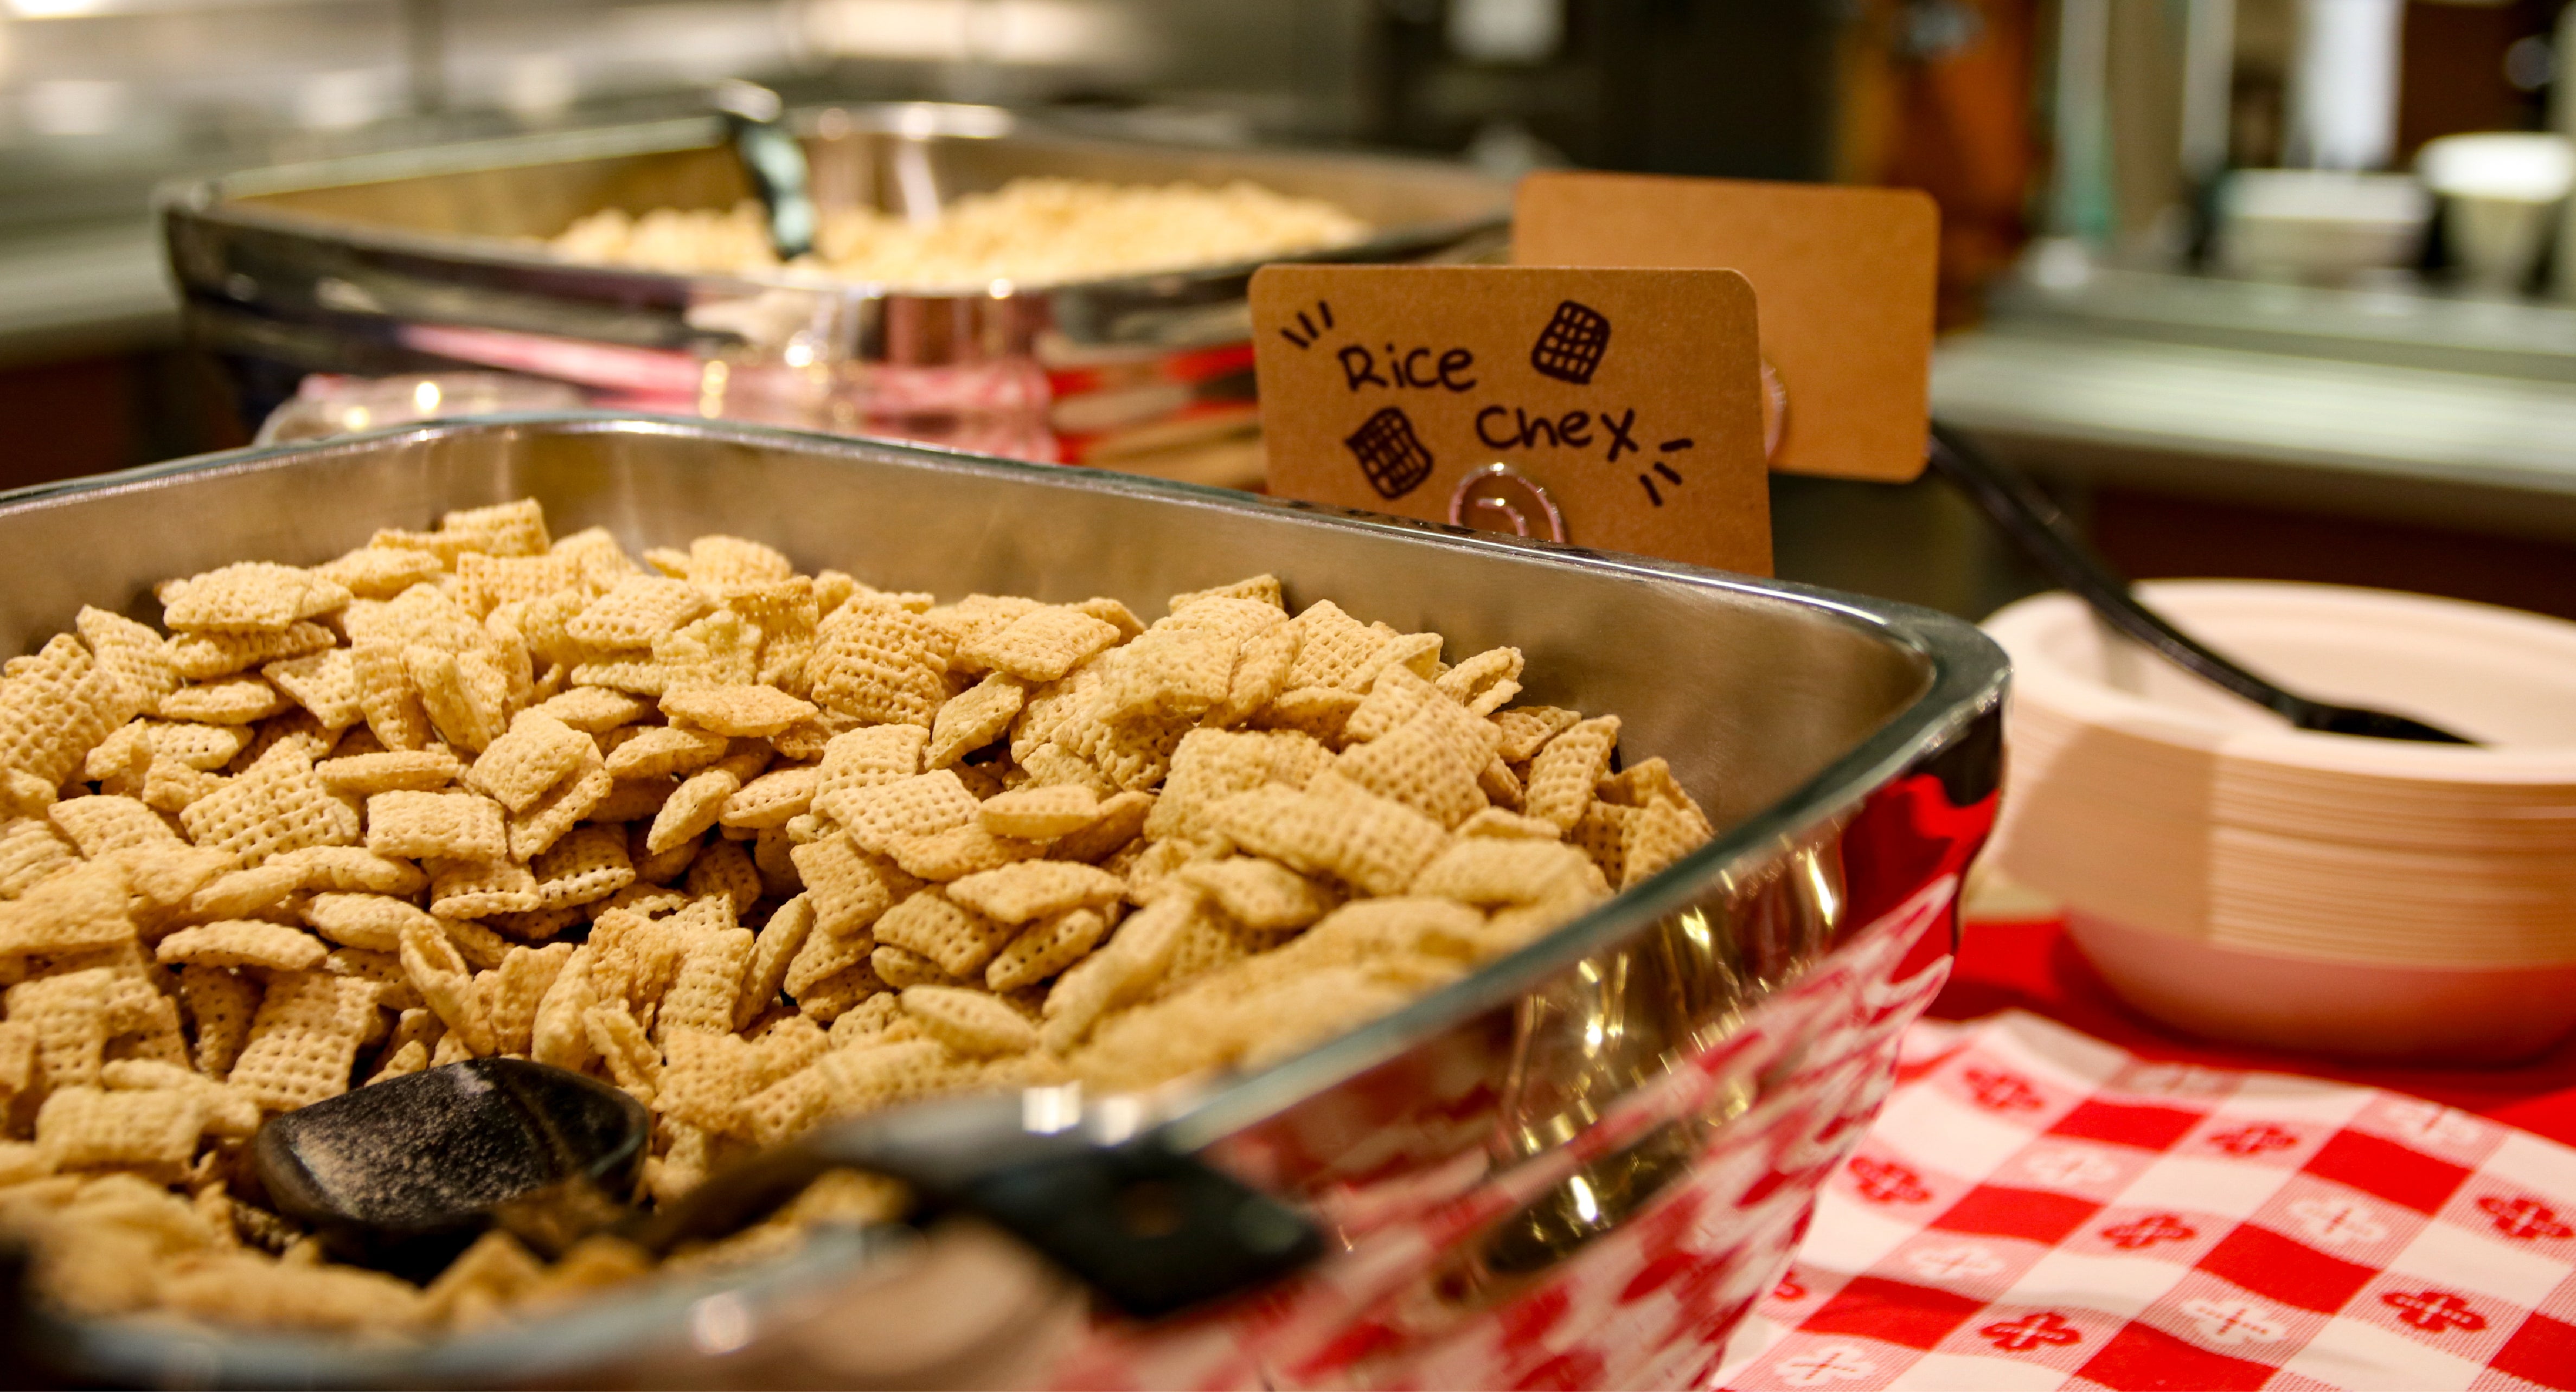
{"x":1622,"y":403}
{"x":1846,"y":277}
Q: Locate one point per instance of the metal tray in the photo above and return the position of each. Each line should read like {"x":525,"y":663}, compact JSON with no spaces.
{"x":404,"y":262}
{"x":1660,"y":1086}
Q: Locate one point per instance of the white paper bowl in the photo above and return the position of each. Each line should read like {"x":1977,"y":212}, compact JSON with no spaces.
{"x":2244,"y":880}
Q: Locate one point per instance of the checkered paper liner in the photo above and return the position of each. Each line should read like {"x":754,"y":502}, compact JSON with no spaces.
{"x":2036,"y":1209}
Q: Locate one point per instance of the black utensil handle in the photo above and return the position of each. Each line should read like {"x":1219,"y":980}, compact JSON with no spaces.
{"x":2042,"y":532}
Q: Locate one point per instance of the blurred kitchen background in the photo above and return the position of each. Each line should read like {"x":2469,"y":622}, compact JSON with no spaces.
{"x":2206,"y":269}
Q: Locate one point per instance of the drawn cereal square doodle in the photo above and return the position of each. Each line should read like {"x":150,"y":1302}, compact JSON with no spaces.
{"x":1570,"y":348}
{"x":1394,"y":458}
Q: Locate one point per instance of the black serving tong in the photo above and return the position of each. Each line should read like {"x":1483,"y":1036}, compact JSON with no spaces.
{"x":2042,"y":532}
{"x":402,"y":1174}
{"x":774,"y":160}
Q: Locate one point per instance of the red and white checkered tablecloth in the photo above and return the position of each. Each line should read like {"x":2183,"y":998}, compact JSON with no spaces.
{"x":2037,"y":1209}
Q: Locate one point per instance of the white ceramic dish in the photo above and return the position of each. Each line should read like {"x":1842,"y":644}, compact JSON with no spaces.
{"x":2420,"y":1014}
{"x":2244,"y":880}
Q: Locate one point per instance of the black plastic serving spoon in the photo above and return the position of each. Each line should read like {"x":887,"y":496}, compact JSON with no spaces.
{"x":402,"y":1174}
{"x":771,"y":156}
{"x":2044,"y":535}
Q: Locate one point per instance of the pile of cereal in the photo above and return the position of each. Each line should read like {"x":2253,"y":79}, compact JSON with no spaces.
{"x":1031,"y":231}
{"x":760,"y":848}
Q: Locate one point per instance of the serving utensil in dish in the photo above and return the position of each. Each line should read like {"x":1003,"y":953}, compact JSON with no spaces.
{"x":1579,"y":1165}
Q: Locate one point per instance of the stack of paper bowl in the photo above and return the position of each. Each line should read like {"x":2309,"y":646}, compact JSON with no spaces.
{"x":2243,"y":880}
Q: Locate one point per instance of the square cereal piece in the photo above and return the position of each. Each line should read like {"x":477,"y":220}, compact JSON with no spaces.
{"x":976,"y":616}
{"x":1261,"y":895}
{"x":488,"y":582}
{"x":581,"y":794}
{"x":30,"y":850}
{"x":878,"y":662}
{"x":325,"y":683}
{"x":639,"y":610}
{"x":277,"y":804}
{"x":154,"y":1131}
{"x":969,"y":1022}
{"x":1040,"y":814}
{"x":304,"y":1039}
{"x":704,"y":1080}
{"x":121,"y":759}
{"x":974,"y":718}
{"x":595,"y":710}
{"x":1034,"y":889}
{"x":443,"y":826}
{"x":242,"y":942}
{"x":1495,"y":822}
{"x":250,"y":597}
{"x":372,"y":922}
{"x":1172,"y":672}
{"x":773,"y":951}
{"x":466,"y":694}
{"x":1122,"y":820}
{"x":588,"y":864}
{"x":473,"y":889}
{"x":665,"y":749}
{"x":1335,"y":828}
{"x":220,"y":1005}
{"x":932,"y":925}
{"x":205,"y":656}
{"x":847,"y":887}
{"x":1492,"y":872}
{"x":1334,"y":649}
{"x":244,"y":893}
{"x":132,"y":653}
{"x":1659,"y":834}
{"x":1045,"y":948}
{"x":1602,"y":833}
{"x":1484,"y":682}
{"x":55,"y":705}
{"x":1319,"y":711}
{"x":772,"y":799}
{"x":902,"y":969}
{"x":380,"y":572}
{"x":1209,"y":766}
{"x":960,"y":851}
{"x":1526,"y":729}
{"x":395,"y":770}
{"x":721,"y":649}
{"x":77,"y":909}
{"x":922,"y":805}
{"x":1420,"y":764}
{"x":723,"y":560}
{"x":392,"y":707}
{"x":865,"y":758}
{"x":514,"y":528}
{"x":1113,"y":613}
{"x":1563,"y":773}
{"x":702,"y":998}
{"x":744,"y":712}
{"x":70,"y":1017}
{"x":202,"y":747}
{"x":99,"y":825}
{"x":1041,"y":645}
{"x":825,"y":955}
{"x":516,"y":769}
{"x":691,"y":809}
{"x":351,"y":870}
{"x":1262,"y":589}
{"x":230,"y":701}
{"x":635,"y":801}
